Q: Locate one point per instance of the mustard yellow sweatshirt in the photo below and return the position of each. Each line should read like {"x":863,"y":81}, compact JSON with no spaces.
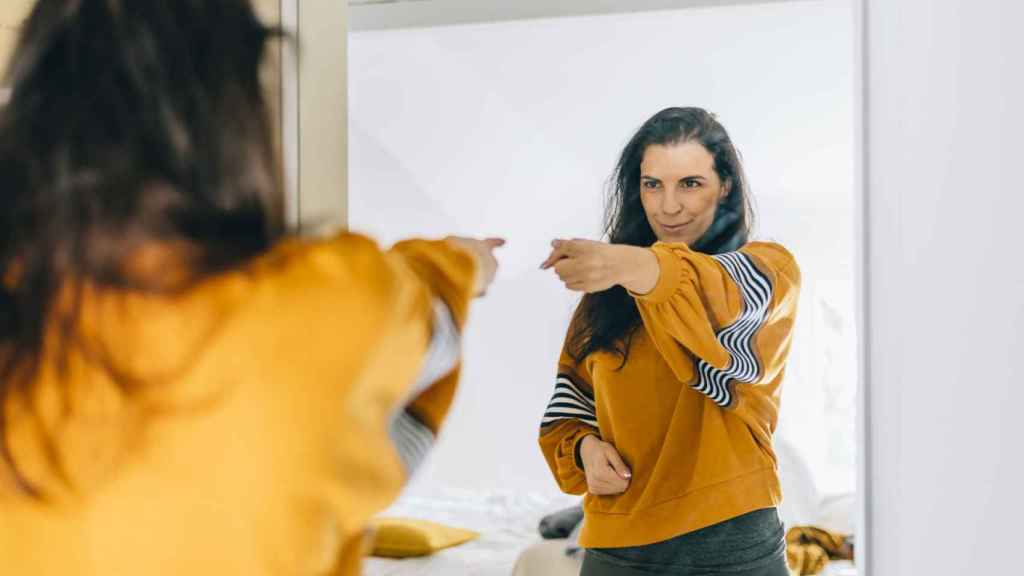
{"x":280,"y":407}
{"x":693,"y":410}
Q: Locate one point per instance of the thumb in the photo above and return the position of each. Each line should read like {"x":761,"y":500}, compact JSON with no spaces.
{"x":616,"y":462}
{"x":493,"y":243}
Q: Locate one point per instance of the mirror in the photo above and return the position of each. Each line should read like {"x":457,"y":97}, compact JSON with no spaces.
{"x":513,"y":127}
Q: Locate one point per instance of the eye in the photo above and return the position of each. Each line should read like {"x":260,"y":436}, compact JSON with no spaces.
{"x":650,"y":184}
{"x":691,"y":183}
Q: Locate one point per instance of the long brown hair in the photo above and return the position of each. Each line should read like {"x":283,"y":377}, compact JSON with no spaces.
{"x":130,"y":123}
{"x":606,"y":320}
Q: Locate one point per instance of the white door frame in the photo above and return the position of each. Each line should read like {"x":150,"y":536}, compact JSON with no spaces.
{"x":314,"y":119}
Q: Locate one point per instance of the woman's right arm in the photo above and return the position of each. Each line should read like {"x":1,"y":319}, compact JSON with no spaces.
{"x":436,"y":263}
{"x":363,"y":360}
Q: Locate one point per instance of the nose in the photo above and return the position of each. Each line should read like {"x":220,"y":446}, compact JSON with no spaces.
{"x":670,"y":206}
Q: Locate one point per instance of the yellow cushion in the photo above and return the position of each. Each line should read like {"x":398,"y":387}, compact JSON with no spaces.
{"x":404,"y":537}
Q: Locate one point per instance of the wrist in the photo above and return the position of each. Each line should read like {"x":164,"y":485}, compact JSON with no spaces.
{"x":579,"y":449}
{"x":638,"y":269}
{"x":624,"y":263}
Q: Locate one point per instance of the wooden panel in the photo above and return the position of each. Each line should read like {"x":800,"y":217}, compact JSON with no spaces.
{"x":12,"y":13}
{"x":270,"y":12}
{"x":323,"y":119}
{"x":8,"y":36}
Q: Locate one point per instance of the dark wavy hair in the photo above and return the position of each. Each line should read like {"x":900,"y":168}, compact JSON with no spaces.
{"x":129,"y":124}
{"x":607,"y":320}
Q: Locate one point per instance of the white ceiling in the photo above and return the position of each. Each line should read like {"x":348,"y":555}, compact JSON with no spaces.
{"x":383,"y":14}
{"x":361,"y":2}
{"x":364,"y":2}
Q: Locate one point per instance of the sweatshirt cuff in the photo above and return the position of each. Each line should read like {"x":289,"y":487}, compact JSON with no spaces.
{"x":670,"y":277}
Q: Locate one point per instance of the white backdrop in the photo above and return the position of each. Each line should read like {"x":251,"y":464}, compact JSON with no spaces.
{"x":512,"y":129}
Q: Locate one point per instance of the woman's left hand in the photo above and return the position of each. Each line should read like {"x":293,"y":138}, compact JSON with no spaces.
{"x":589,"y":266}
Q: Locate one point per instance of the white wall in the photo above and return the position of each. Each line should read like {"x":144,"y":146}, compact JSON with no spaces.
{"x":945,"y":204}
{"x":512,"y":128}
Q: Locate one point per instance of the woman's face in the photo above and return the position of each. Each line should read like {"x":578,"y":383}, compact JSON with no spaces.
{"x":680,"y":190}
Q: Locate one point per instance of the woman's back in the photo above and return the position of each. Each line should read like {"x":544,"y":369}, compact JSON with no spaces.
{"x":185,"y":389}
{"x":258,"y":443}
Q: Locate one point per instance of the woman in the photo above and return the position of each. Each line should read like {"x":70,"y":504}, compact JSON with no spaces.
{"x":668,"y":385}
{"x":185,"y":389}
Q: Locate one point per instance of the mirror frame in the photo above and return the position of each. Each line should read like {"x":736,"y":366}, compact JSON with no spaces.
{"x":394,"y":14}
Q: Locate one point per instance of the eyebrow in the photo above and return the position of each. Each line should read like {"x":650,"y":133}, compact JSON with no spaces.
{"x":693,"y":177}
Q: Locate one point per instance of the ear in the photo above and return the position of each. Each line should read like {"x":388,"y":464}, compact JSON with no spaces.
{"x":726,"y":189}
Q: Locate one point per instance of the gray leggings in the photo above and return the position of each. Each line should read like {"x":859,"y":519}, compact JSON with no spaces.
{"x":749,"y":545}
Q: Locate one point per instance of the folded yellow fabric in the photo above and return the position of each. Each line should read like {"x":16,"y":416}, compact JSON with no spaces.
{"x":809,"y":549}
{"x":405,"y":537}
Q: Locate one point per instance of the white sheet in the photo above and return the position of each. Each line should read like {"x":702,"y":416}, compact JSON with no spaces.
{"x":840,"y":569}
{"x":507,"y":523}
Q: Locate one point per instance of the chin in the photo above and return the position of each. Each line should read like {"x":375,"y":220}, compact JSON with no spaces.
{"x":675,"y":239}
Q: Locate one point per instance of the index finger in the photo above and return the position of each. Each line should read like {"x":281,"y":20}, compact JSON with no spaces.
{"x":556,"y":255}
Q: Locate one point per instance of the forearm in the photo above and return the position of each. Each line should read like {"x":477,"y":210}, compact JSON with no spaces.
{"x":449,"y":271}
{"x":638,"y":269}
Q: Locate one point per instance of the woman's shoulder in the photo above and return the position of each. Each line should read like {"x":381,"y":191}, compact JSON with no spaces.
{"x":347,"y":271}
{"x":775,"y":257}
{"x":342,"y":249}
{"x":342,"y":258}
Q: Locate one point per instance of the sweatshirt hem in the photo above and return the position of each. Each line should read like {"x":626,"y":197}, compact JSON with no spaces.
{"x":692,"y":511}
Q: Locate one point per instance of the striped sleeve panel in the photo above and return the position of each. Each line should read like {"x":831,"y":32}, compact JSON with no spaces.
{"x":412,"y":438}
{"x":738,"y":338}
{"x":571,"y":400}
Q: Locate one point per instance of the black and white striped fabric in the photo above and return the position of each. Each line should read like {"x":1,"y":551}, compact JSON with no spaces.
{"x":570,"y":402}
{"x":738,"y":337}
{"x":413,"y":440}
{"x":443,"y":354}
{"x":411,"y":437}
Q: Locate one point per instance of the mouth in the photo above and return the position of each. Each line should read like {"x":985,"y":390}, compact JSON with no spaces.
{"x":674,"y":228}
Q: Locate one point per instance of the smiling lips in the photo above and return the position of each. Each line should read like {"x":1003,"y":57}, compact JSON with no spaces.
{"x":674,"y":227}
